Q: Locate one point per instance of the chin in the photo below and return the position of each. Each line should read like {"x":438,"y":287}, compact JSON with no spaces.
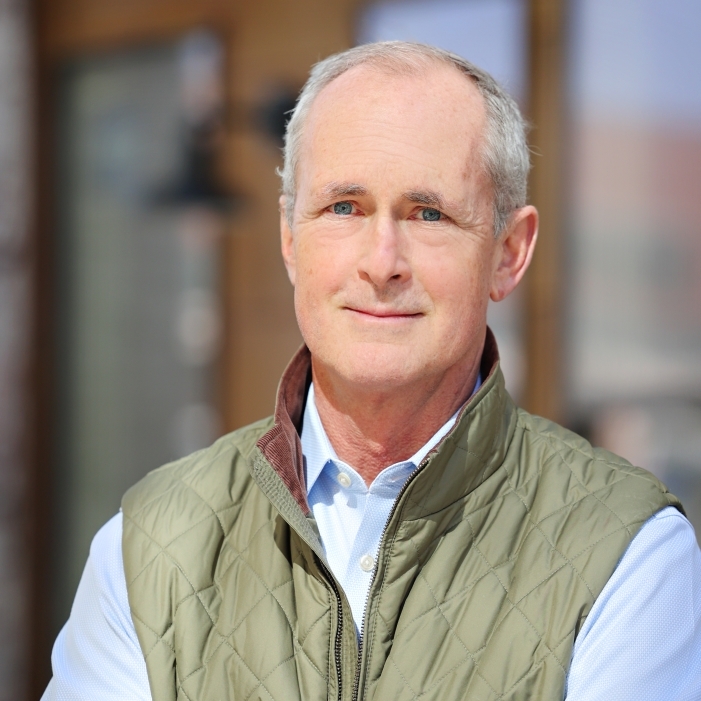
{"x":379,"y":366}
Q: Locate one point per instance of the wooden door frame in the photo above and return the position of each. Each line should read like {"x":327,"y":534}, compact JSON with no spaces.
{"x":544,"y":339}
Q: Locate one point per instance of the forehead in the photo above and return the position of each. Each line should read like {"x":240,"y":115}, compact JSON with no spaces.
{"x":415,"y":128}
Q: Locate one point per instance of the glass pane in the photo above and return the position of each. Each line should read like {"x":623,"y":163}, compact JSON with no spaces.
{"x":635,"y":312}
{"x":140,"y":319}
{"x":491,"y":34}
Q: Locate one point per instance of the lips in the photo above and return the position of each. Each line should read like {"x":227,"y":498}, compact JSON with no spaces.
{"x":385,"y":313}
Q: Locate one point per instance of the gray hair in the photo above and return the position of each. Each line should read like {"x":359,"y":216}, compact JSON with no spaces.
{"x":505,"y":155}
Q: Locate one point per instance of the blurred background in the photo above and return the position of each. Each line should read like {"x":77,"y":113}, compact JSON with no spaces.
{"x":144,"y":308}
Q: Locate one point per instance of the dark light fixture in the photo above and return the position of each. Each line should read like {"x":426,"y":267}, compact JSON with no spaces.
{"x":197,"y":183}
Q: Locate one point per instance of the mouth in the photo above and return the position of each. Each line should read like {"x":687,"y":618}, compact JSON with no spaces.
{"x":387,"y":315}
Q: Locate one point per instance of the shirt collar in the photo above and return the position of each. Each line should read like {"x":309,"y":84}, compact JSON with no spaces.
{"x":317,"y":448}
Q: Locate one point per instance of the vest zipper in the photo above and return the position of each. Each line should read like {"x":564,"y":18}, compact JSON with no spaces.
{"x":410,"y":479}
{"x":339,"y":628}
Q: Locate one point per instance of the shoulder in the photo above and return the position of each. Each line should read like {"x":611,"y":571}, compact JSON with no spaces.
{"x":585,"y":503}
{"x":590,"y":474}
{"x":208,"y":477}
{"x":187,"y":507}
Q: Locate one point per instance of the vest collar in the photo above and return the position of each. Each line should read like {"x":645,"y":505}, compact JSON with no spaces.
{"x":282,"y":447}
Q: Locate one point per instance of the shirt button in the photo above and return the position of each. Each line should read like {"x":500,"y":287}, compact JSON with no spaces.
{"x":367,"y":563}
{"x":344,"y":480}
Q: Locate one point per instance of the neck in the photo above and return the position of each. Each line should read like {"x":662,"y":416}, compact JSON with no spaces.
{"x":371,"y":430}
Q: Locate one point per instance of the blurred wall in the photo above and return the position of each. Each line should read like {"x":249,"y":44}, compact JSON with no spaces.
{"x":633,"y":236}
{"x":15,"y":160}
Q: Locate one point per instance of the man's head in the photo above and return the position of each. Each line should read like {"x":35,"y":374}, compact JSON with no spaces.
{"x":403,"y":211}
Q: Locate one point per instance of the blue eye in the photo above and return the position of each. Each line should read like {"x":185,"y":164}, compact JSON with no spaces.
{"x":344,"y":208}
{"x":430,"y":214}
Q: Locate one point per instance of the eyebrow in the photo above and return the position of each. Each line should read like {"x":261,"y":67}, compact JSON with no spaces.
{"x":343,"y":189}
{"x":426,"y":197}
{"x":429,"y":198}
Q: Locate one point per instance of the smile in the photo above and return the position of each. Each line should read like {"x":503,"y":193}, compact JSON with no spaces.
{"x":384,"y":315}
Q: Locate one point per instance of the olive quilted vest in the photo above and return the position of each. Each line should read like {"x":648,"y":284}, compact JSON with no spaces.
{"x":496,"y":549}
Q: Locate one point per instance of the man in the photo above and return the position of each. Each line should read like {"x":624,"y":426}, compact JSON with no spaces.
{"x":398,"y":530}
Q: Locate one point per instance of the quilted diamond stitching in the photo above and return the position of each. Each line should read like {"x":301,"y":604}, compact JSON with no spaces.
{"x":471,"y":655}
{"x":159,"y":638}
{"x":506,"y":593}
{"x":225,"y":636}
{"x":201,"y":668}
{"x":511,"y":490}
{"x":267,"y":676}
{"x":183,"y":461}
{"x":492,"y":569}
{"x":282,"y":608}
{"x":305,"y":635}
{"x":239,"y":554}
{"x":177,"y":565}
{"x":449,"y":671}
{"x":402,"y":677}
{"x":457,"y":637}
{"x":195,"y":592}
{"x":224,"y":640}
{"x":536,"y":666}
{"x":184,"y":693}
{"x":514,"y":557}
{"x":162,"y":548}
{"x":545,"y":537}
{"x":581,"y":484}
{"x":215,"y":628}
{"x":439,"y":605}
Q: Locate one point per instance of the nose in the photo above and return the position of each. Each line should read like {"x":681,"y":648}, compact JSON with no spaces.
{"x":384,"y":261}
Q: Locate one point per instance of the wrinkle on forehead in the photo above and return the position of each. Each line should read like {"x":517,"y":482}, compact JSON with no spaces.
{"x":363,"y":80}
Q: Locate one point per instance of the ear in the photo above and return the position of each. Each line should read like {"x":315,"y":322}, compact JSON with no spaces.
{"x":287,"y":242}
{"x":514,"y":251}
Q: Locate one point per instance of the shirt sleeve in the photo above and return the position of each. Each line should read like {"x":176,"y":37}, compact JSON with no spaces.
{"x":97,"y":656}
{"x":642,"y":639}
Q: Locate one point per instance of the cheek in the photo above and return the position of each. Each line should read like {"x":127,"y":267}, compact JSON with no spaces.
{"x":325,"y":263}
{"x":315,"y":277}
{"x":320,"y":275}
{"x":461,"y":283}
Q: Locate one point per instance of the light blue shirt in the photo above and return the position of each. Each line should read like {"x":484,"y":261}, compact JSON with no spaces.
{"x":640,"y":642}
